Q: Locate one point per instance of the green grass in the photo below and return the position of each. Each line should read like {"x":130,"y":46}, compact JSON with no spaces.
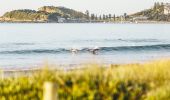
{"x":149,"y":81}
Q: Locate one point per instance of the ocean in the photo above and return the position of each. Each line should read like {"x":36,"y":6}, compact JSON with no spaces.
{"x":27,"y":45}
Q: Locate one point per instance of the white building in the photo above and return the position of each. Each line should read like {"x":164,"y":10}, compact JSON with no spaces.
{"x":140,"y":18}
{"x":61,"y":20}
{"x":167,"y":8}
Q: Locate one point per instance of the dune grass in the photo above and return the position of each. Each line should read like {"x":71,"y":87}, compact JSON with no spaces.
{"x":149,"y":81}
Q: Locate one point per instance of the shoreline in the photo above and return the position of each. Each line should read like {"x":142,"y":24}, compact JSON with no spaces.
{"x":17,"y":72}
{"x":119,"y":22}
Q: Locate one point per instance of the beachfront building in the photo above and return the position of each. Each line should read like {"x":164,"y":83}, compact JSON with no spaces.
{"x":140,"y":18}
{"x":61,"y":20}
{"x":76,"y":20}
{"x":166,"y":8}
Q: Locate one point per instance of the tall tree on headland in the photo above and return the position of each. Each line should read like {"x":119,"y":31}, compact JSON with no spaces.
{"x":87,"y":14}
{"x":92,"y":16}
{"x":104,"y":17}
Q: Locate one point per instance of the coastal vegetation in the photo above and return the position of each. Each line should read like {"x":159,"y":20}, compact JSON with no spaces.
{"x":149,"y":81}
{"x":156,"y":13}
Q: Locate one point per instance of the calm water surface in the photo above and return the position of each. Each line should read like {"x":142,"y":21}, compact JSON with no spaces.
{"x":28,"y":45}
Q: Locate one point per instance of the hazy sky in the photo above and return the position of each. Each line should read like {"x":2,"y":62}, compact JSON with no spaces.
{"x":94,"y":6}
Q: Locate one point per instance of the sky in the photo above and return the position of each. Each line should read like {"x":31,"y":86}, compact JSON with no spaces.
{"x":117,"y":7}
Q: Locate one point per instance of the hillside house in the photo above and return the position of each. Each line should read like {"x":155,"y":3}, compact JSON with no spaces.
{"x":167,"y":8}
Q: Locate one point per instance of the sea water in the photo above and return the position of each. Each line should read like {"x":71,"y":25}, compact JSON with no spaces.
{"x":25,"y":45}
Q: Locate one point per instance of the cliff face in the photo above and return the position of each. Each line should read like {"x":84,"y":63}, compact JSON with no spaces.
{"x":44,"y":14}
{"x":64,"y":12}
{"x":49,"y":9}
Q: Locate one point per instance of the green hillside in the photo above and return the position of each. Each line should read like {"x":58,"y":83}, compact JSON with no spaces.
{"x":26,"y":15}
{"x":46,"y":13}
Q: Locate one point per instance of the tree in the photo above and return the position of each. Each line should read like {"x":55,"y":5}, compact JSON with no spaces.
{"x":104,"y":17}
{"x":107,"y":17}
{"x":114,"y":17}
{"x":100,"y":17}
{"x":125,"y":15}
{"x":92,"y":16}
{"x":110,"y":16}
{"x":87,"y":14}
{"x":96,"y":18}
{"x":156,"y":6}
